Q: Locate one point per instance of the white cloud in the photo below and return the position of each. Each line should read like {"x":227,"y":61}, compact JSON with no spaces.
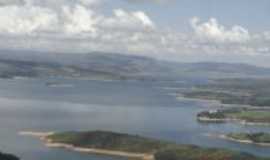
{"x":267,"y":35}
{"x":11,"y":2}
{"x":57,"y":3}
{"x":69,"y":19}
{"x":79,"y":26}
{"x":215,"y":32}
{"x":25,"y":20}
{"x":78,"y":19}
{"x":75,"y":23}
{"x":128,"y":21}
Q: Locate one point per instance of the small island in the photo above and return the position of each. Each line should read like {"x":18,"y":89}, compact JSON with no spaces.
{"x":5,"y":156}
{"x":260,"y":138}
{"x":134,"y":146}
{"x":246,"y":116}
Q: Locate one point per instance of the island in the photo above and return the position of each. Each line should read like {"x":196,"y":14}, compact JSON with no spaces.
{"x":5,"y":156}
{"x":134,"y":146}
{"x":245,"y":116}
{"x":260,"y":138}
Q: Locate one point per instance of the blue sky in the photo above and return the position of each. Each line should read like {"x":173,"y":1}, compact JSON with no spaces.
{"x":179,"y":30}
{"x":253,"y":14}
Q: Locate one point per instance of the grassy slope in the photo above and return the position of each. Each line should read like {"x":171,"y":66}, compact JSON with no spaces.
{"x":130,"y":143}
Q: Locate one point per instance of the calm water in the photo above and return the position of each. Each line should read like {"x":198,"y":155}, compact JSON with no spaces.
{"x":143,"y":108}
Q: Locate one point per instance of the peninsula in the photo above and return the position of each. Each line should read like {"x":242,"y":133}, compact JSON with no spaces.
{"x":134,"y":146}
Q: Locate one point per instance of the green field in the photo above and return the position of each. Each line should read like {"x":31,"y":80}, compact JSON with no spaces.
{"x":137,"y":144}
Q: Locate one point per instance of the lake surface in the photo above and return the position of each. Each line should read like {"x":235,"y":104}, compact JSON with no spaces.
{"x":146,"y":108}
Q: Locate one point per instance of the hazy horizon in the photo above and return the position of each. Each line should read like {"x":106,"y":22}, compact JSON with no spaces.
{"x":178,"y":30}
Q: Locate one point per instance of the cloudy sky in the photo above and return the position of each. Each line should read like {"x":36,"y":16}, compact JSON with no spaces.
{"x":181,"y":30}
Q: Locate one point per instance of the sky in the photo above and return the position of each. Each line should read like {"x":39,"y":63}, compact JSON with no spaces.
{"x":178,"y":30}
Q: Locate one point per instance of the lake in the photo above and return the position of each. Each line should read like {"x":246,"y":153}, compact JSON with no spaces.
{"x":136,"y":107}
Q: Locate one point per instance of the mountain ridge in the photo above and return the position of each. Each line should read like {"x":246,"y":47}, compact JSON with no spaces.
{"x":118,"y":66}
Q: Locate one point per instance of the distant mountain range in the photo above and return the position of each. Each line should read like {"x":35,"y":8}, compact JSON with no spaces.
{"x":223,"y":70}
{"x":99,"y":65}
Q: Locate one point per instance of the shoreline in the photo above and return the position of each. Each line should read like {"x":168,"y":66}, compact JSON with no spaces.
{"x":225,"y":137}
{"x":218,"y":102}
{"x":43,"y":136}
{"x":227,"y":120}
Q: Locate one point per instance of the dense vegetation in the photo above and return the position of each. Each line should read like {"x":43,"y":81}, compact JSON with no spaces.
{"x":4,"y":156}
{"x":222,"y":113}
{"x":255,"y":92}
{"x":109,"y":140}
{"x":212,"y":115}
{"x":244,"y":114}
{"x":161,"y":150}
{"x":260,"y":137}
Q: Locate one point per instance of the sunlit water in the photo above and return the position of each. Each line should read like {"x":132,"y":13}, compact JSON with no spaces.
{"x":144,"y":108}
